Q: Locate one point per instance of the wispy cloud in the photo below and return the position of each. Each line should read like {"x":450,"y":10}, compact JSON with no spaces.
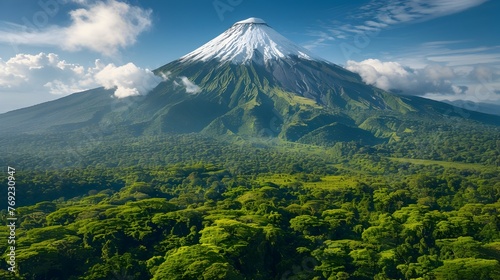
{"x":378,"y":15}
{"x":382,"y":14}
{"x":466,"y":59}
{"x":100,"y":26}
{"x":457,"y":54}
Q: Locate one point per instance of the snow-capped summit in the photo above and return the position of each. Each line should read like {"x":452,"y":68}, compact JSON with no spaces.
{"x":249,"y":40}
{"x":252,"y":20}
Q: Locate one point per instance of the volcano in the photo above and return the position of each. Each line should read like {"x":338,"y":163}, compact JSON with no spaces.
{"x":249,"y":81}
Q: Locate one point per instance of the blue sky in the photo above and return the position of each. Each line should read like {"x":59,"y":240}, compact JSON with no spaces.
{"x":442,"y":49}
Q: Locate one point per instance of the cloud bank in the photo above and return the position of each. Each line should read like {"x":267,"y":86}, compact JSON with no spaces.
{"x":394,"y":76}
{"x":47,"y":73}
{"x":100,"y":26}
{"x":480,"y":83}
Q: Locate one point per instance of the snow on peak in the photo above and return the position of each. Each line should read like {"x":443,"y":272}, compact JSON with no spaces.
{"x":248,"y":40}
{"x":252,"y":20}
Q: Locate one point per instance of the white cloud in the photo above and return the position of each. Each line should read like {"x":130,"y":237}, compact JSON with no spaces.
{"x":26,"y":72}
{"x":476,"y":68}
{"x":43,"y":75}
{"x":100,"y":26}
{"x":128,"y":80}
{"x":190,"y":86}
{"x":480,"y":83}
{"x":385,"y":75}
{"x":486,"y":73}
{"x":394,"y":76}
{"x":106,"y":26}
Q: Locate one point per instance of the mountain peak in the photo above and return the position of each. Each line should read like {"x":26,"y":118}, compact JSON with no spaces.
{"x":252,"y":20}
{"x":246,"y":41}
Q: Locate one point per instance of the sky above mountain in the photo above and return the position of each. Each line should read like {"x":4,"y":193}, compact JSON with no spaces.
{"x":441,"y":49}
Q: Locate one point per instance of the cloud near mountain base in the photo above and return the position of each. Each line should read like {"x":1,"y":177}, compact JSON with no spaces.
{"x":127,"y":80}
{"x":190,"y":86}
{"x":392,"y":76}
{"x":48,"y":74}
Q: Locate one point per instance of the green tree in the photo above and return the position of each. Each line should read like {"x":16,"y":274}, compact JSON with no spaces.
{"x":468,"y":269}
{"x":222,"y":271}
{"x":308,"y":225}
{"x":189,"y":263}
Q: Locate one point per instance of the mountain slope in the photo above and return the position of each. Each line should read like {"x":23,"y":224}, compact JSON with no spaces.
{"x":249,"y":81}
{"x":71,"y":112}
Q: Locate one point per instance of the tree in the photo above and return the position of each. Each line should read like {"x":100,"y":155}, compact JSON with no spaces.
{"x":461,"y":247}
{"x":190,"y":262}
{"x":386,"y":234}
{"x":234,"y":238}
{"x":468,"y":269}
{"x":334,"y":258}
{"x":365,"y":261}
{"x":308,"y":225}
{"x":222,"y":271}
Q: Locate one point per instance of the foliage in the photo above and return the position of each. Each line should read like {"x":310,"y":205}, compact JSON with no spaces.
{"x":198,"y":208}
